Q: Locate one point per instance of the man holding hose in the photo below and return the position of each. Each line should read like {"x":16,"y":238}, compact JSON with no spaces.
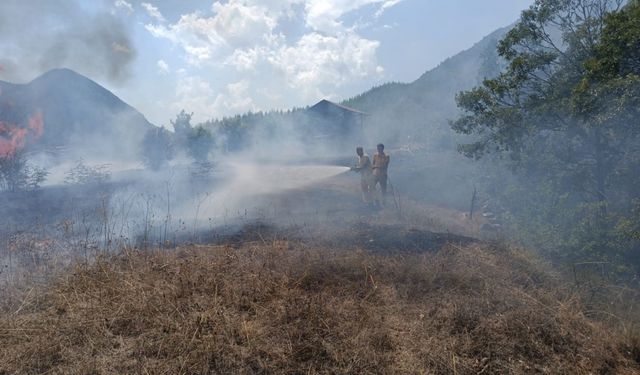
{"x":366,"y":175}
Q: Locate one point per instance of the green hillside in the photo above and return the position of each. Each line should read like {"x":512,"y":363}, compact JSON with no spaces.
{"x":422,"y":109}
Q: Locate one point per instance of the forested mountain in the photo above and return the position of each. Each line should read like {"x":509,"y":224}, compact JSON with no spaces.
{"x":76,"y":112}
{"x":422,"y":109}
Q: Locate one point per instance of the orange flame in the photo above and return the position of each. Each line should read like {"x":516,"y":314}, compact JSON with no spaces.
{"x":36,"y":125}
{"x":13,"y":138}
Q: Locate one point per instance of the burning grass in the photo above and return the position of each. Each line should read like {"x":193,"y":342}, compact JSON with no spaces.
{"x":292,"y":307}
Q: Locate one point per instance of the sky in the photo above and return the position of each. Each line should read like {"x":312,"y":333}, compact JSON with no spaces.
{"x":223,"y":57}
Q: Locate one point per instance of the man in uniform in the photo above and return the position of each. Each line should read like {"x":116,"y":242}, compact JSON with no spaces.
{"x":380,"y":166}
{"x":366,"y":175}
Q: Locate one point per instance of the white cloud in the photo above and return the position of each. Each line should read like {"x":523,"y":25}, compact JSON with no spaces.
{"x":386,"y":5}
{"x":236,"y":99}
{"x":244,"y":35}
{"x":195,"y":94}
{"x":248,"y":59}
{"x":234,"y":24}
{"x":194,"y":33}
{"x":239,"y":23}
{"x":124,"y":5}
{"x":245,"y":59}
{"x":163,"y":67}
{"x":242,"y":27}
{"x":153,"y":12}
{"x":271,"y":95}
{"x":318,"y":59}
{"x":324,"y":15}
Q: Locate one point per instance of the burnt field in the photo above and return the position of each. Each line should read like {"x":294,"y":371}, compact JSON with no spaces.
{"x":265,"y":304}
{"x":307,"y":280}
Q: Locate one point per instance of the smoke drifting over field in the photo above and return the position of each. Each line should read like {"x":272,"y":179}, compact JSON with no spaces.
{"x":244,"y":183}
{"x":254,"y":155}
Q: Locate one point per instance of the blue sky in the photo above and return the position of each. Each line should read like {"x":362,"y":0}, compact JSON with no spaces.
{"x":219,"y":58}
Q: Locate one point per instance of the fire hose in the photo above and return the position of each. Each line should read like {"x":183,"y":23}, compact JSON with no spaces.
{"x":394,"y":193}
{"x":396,"y":199}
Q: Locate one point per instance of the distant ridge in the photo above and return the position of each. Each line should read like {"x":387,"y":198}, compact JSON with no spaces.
{"x":425,"y":105}
{"x":79,"y":114}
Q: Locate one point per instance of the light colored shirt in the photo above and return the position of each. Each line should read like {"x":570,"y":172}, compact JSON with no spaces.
{"x":364,"y":166}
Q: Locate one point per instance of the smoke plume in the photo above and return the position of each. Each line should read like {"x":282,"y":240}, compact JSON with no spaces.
{"x":41,"y":35}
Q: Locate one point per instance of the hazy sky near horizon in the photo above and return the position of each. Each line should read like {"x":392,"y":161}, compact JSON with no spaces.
{"x":222,"y":57}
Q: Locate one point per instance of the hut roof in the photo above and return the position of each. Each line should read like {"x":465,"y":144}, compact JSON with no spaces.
{"x":325,"y":105}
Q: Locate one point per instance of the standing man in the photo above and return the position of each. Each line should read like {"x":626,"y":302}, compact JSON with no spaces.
{"x":366,"y":175}
{"x":380,"y":166}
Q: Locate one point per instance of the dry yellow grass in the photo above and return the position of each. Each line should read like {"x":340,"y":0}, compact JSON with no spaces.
{"x":295,"y":308}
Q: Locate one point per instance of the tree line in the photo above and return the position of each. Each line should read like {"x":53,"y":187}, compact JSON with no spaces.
{"x":564,"y":114}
